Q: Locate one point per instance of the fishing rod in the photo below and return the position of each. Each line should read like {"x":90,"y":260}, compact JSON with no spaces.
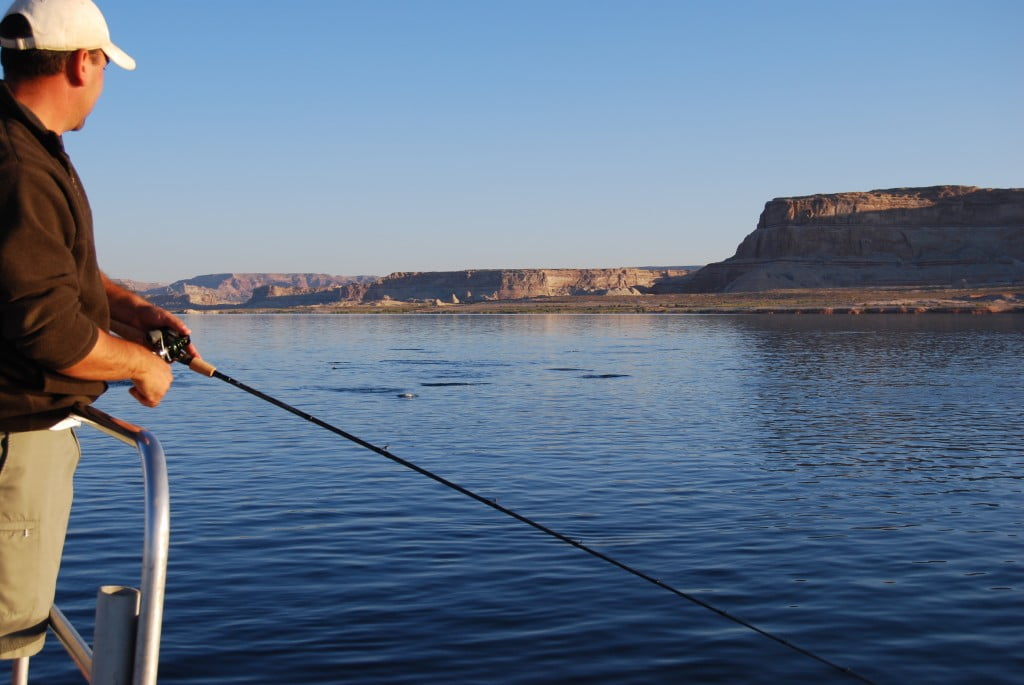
{"x":173,"y":347}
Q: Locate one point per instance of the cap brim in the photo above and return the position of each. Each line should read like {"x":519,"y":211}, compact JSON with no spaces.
{"x":119,"y":57}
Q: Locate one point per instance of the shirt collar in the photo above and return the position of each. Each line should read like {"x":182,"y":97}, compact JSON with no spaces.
{"x":11,"y":107}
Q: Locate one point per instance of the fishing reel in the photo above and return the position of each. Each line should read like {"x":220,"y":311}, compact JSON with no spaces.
{"x":170,"y":345}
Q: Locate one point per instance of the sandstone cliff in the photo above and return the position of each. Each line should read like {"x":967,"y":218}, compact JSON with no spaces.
{"x":511,"y":284}
{"x":941,"y":235}
{"x":455,"y":287}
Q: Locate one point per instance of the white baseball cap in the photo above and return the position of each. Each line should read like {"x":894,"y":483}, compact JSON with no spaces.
{"x":66,"y":25}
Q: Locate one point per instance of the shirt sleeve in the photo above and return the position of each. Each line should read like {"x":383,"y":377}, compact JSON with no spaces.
{"x":40,"y":294}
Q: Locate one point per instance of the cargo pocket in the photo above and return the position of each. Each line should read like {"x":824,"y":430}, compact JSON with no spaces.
{"x":19,"y":570}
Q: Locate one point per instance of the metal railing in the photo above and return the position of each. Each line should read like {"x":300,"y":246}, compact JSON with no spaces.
{"x":144,"y":662}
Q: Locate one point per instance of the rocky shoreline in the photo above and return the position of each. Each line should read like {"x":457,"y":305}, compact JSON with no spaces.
{"x":815,"y":301}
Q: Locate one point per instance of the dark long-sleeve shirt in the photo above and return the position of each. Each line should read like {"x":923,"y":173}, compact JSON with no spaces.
{"x":52,"y":299}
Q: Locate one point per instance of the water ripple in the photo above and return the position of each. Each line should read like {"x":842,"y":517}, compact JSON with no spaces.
{"x":854,"y":486}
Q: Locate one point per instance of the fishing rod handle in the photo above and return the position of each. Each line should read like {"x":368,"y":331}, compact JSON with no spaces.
{"x":202,"y":367}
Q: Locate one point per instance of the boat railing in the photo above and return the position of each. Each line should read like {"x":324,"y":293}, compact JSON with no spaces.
{"x":126,"y":635}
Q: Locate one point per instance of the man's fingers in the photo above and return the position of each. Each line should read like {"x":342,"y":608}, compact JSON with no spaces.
{"x":141,"y":399}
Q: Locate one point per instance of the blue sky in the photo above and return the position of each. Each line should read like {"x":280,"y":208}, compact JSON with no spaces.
{"x":371,"y":136}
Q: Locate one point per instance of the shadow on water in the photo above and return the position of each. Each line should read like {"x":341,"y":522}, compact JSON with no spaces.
{"x":363,"y":390}
{"x":448,"y":384}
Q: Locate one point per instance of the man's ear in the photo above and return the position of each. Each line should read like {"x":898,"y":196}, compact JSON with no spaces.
{"x":77,"y":64}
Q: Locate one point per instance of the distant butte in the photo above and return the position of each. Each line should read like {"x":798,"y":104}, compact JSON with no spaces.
{"x":952,"y":236}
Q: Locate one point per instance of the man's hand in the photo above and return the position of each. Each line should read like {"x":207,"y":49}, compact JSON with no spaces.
{"x":150,"y":386}
{"x":135,"y":312}
{"x":114,"y":359}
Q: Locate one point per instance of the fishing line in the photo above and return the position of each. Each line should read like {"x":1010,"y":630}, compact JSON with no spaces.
{"x":172,"y":347}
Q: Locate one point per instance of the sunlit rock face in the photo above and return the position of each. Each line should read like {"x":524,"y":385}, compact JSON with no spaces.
{"x":512,"y":284}
{"x":940,"y":235}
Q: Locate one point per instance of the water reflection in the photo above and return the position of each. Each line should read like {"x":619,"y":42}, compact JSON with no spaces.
{"x":853,"y":483}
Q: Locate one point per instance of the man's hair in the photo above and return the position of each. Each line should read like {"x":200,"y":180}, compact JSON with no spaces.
{"x":24,"y":65}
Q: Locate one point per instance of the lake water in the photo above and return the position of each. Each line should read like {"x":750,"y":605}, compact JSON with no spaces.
{"x":851,"y":484}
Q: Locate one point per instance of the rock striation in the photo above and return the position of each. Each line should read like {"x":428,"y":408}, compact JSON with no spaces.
{"x":942,"y":235}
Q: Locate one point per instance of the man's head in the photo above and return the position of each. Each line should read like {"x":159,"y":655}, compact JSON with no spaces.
{"x":38,"y":36}
{"x":54,"y":53}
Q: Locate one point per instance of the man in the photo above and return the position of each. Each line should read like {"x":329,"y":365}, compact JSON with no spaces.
{"x":56,"y":306}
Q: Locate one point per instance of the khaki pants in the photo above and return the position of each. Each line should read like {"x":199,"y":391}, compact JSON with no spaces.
{"x":36,"y":485}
